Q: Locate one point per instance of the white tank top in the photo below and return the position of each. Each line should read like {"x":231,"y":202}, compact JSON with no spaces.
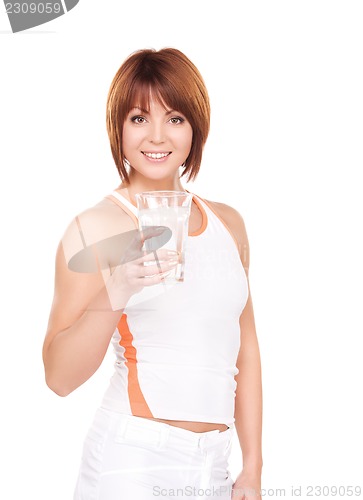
{"x":176,"y":348}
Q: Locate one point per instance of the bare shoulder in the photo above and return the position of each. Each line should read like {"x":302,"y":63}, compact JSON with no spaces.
{"x":93,"y":224}
{"x":103,"y":218}
{"x":79,"y":275}
{"x":235,"y":223}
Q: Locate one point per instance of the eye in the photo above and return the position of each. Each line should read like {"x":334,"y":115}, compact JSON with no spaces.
{"x":138,"y":119}
{"x":176,"y":120}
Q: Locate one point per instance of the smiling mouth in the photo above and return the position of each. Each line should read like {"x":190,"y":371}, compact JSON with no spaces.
{"x":156,"y":156}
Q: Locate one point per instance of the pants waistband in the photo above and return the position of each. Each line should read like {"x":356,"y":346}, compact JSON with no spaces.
{"x":156,"y":433}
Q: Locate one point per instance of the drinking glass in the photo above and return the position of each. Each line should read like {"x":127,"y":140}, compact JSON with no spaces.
{"x":170,"y":209}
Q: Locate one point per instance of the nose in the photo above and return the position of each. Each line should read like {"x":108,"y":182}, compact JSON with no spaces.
{"x":157,"y":133}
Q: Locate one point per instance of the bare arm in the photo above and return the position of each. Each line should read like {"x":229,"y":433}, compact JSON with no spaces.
{"x":85,"y":311}
{"x":80,"y":328}
{"x":248,"y":402}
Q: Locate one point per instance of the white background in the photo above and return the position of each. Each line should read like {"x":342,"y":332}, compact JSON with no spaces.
{"x":285,"y":80}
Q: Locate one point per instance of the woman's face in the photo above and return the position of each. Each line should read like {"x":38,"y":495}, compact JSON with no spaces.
{"x":157,"y":142}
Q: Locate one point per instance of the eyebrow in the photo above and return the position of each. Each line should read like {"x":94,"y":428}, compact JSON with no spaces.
{"x":147,"y":112}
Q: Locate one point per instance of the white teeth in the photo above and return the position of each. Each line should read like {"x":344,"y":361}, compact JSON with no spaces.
{"x":156,"y":155}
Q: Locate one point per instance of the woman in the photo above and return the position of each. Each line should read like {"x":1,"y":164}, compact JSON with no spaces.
{"x":187,"y":365}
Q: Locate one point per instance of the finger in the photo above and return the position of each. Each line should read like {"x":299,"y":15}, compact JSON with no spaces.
{"x":150,"y":237}
{"x":153,"y":280}
{"x":154,"y":237}
{"x":163,"y":254}
{"x":150,"y":270}
{"x":151,"y":231}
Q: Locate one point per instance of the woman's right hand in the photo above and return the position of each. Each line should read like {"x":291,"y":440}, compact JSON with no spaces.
{"x":87,"y":305}
{"x":134,"y":272}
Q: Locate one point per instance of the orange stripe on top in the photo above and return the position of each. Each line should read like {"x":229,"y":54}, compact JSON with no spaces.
{"x":219,"y":217}
{"x":138,"y":405}
{"x":204,"y":219}
{"x":204,"y":216}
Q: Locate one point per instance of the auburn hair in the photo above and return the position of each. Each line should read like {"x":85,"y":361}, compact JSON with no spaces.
{"x":168,"y":76}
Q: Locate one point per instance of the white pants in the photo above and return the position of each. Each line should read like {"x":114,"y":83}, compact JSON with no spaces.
{"x":133,"y":458}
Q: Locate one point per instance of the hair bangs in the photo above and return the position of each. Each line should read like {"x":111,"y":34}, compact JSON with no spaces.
{"x":145,"y":90}
{"x":168,"y":77}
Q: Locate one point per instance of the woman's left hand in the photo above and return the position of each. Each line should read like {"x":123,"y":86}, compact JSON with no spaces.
{"x":247,"y":486}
